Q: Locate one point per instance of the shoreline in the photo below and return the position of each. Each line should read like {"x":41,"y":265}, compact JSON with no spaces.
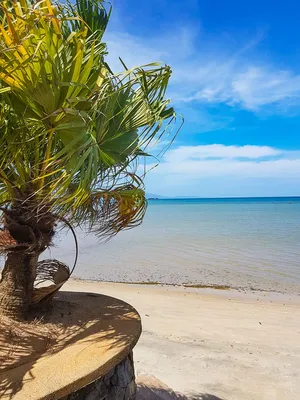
{"x":209,"y":289}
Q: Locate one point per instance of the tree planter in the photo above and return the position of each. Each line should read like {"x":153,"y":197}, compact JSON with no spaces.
{"x":92,"y":361}
{"x":117,"y":384}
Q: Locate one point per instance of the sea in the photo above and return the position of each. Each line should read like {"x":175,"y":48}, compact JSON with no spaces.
{"x":245,"y":243}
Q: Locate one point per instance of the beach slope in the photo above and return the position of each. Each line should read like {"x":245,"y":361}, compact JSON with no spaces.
{"x":227,"y":344}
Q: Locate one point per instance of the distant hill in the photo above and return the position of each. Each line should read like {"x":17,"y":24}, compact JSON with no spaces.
{"x":153,"y":196}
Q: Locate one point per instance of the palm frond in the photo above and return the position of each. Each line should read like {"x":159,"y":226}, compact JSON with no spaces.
{"x":95,"y":15}
{"x":108,"y":212}
{"x":71,"y":131}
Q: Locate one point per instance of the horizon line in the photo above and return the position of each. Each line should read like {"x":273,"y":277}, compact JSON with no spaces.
{"x":223,"y":197}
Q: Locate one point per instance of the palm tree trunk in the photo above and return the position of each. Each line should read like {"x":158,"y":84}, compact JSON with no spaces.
{"x":16,"y":286}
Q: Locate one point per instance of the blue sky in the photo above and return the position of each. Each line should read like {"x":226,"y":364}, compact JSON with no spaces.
{"x":236,"y":80}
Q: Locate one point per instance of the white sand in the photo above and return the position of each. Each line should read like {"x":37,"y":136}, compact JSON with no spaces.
{"x":224,"y":344}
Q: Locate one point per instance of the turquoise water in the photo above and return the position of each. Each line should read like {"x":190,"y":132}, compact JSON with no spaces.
{"x":248,"y":243}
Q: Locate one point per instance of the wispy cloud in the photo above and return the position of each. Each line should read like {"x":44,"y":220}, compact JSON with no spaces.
{"x":220,"y":151}
{"x":190,"y":162}
{"x":207,"y":75}
{"x":251,"y":87}
{"x":219,"y":170}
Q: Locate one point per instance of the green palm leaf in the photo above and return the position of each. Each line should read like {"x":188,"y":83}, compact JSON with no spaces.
{"x":71,"y":131}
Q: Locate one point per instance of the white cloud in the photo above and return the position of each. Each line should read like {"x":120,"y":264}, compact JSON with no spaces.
{"x":221,"y":171}
{"x":252,"y":87}
{"x":219,"y":151}
{"x":198,"y":162}
{"x":204,"y":75}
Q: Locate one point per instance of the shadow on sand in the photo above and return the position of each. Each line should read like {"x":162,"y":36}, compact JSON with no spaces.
{"x":151,"y":388}
{"x":145,"y":392}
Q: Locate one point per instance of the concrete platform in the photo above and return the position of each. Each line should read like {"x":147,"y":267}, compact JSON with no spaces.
{"x":100,"y":332}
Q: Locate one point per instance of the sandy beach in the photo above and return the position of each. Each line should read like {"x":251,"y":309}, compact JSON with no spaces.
{"x":227,"y":344}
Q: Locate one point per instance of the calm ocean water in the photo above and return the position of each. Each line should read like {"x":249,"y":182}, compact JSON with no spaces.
{"x":249,"y":243}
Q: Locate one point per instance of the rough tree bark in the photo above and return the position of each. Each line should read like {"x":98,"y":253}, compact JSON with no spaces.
{"x":16,"y":286}
{"x":32,"y":231}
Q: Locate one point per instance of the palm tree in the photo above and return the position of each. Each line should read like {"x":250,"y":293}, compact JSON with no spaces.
{"x":72,"y":132}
